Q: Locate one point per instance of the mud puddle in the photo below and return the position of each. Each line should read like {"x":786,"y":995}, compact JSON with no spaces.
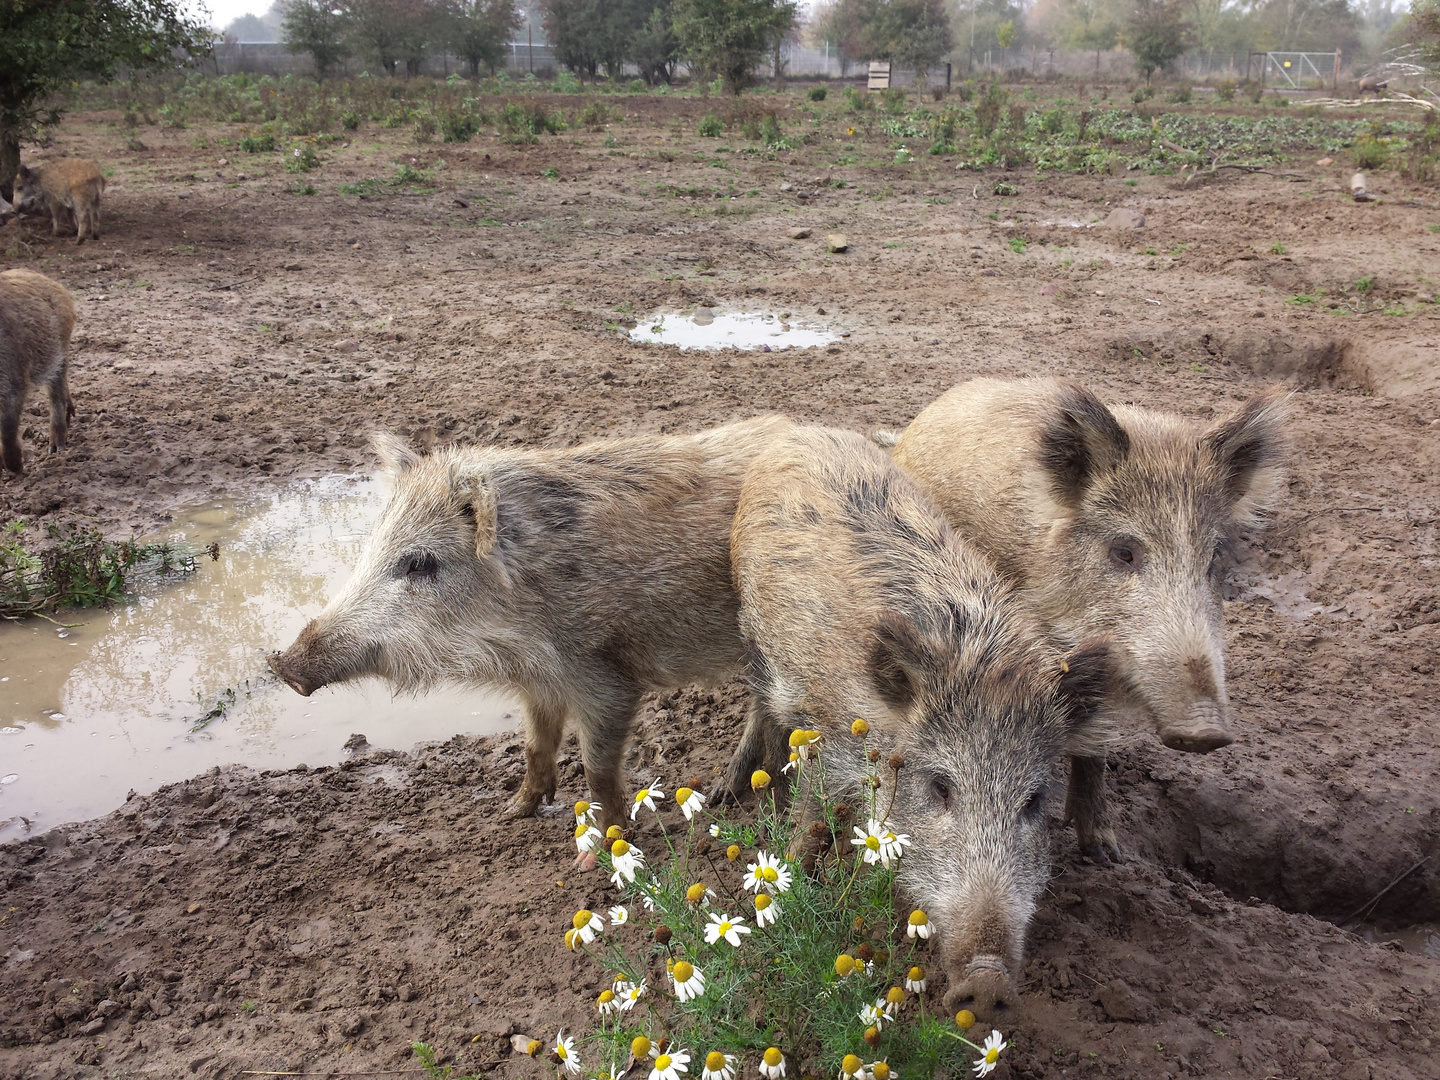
{"x":176,"y":682}
{"x":705,"y":328}
{"x":1420,"y":938}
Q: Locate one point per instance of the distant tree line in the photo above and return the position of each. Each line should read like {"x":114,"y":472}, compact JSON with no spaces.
{"x":725,"y":39}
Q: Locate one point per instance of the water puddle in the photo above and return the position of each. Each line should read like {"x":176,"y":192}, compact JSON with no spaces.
{"x":90,"y":713}
{"x":705,"y":328}
{"x":1422,"y":939}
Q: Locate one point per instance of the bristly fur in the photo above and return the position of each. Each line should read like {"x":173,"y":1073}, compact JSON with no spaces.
{"x":70,"y":188}
{"x":1110,"y":520}
{"x":37,"y":318}
{"x":860,"y":601}
{"x":582,"y":579}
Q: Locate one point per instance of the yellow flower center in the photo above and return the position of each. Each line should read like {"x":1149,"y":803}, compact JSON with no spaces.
{"x":663,"y":1062}
{"x":570,"y":939}
{"x":773,"y":1057}
{"x":762,"y":902}
{"x":769,"y":873}
{"x":620,"y":847}
{"x":850,"y":1064}
{"x":695,"y":893}
{"x":992,"y":1055}
{"x":581,"y":830}
{"x":880,"y":1071}
{"x":714,"y":1061}
{"x":965,"y":1019}
{"x":607,"y":996}
{"x":532,"y":1047}
{"x":724,"y":927}
{"x":918,"y":918}
{"x":895,"y":996}
{"x":582,"y":808}
{"x":732,"y":852}
{"x":642,"y":794}
{"x":844,"y":964}
{"x":683,"y":795}
{"x":873,"y":843}
{"x":560,"y":1051}
{"x":683,"y":971}
{"x":916,"y":974}
{"x":582,"y":918}
{"x":759,"y":780}
{"x":640,"y":1046}
{"x":859,"y":729}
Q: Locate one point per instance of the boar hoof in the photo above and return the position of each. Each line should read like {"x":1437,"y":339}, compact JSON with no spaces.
{"x":524,"y":804}
{"x":985,"y":988}
{"x":1101,"y":847}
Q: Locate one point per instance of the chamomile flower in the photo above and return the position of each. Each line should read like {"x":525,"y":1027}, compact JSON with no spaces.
{"x":894,"y":998}
{"x":991,"y":1054}
{"x":690,"y":800}
{"x":689,"y":980}
{"x":646,"y":797}
{"x":722,"y":926}
{"x":793,"y":764}
{"x":915,"y":980}
{"x":766,"y":872}
{"x":718,"y":1066}
{"x":619,"y":915}
{"x":766,"y":910}
{"x":587,"y":838}
{"x":670,"y":1066}
{"x":587,"y":924}
{"x":772,"y":1064}
{"x":881,"y":1070}
{"x":919,"y":925}
{"x":852,"y":1068}
{"x":564,"y":1049}
{"x":879,"y":843}
{"x":804,"y":742}
{"x":585,"y":812}
{"x":629,"y":994}
{"x":715,"y":830}
{"x":625,"y":860}
{"x":608,"y":1002}
{"x":874,"y":1015}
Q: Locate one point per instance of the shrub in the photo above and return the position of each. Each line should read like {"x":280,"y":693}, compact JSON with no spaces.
{"x":1179,"y":94}
{"x":1225,"y":90}
{"x":711,"y":127}
{"x":895,"y":100}
{"x":937,"y":93}
{"x":945,"y":128}
{"x":637,"y":86}
{"x":425,"y":128}
{"x":1255,"y":92}
{"x":858,"y":100}
{"x":1370,"y":152}
{"x":987,"y":111}
{"x":594,"y":116}
{"x":350,"y":120}
{"x":458,"y":126}
{"x":818,"y":970}
{"x":1052,"y":122}
{"x":965,"y":91}
{"x":301,"y":158}
{"x":567,"y":83}
{"x":261,"y":142}
{"x":816,"y":93}
{"x":524,"y":122}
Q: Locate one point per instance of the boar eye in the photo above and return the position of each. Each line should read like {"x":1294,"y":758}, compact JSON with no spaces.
{"x":420,"y":566}
{"x":1125,"y":554}
{"x":1035,"y":805}
{"x":941,"y":790}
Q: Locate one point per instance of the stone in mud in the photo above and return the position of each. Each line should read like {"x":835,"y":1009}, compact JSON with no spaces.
{"x":703,"y":317}
{"x":1120,"y":1002}
{"x":1358,"y":191}
{"x":1122,"y":217}
{"x":798,"y":233}
{"x":836,"y":243}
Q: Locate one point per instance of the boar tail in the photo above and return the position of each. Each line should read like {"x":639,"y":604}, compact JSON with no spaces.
{"x":886,"y":438}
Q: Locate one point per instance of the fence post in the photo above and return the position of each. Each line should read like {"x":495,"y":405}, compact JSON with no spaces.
{"x":1335,"y":85}
{"x":947,"y":77}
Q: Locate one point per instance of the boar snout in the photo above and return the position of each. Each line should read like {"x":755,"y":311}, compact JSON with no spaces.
{"x":1201,"y":729}
{"x":281,"y":666}
{"x":983,"y":986}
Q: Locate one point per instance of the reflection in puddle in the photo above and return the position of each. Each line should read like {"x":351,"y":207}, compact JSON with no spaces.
{"x":705,"y":329}
{"x":111,"y":705}
{"x":1420,"y":938}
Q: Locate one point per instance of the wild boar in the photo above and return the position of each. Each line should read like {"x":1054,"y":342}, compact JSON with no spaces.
{"x":1373,"y":84}
{"x":581,"y":579}
{"x":860,"y":601}
{"x":68,"y":187}
{"x":37,"y":318}
{"x":1112,"y":521}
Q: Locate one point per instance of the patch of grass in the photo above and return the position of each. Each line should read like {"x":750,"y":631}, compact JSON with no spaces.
{"x":550,"y":172}
{"x":1304,"y":298}
{"x":259,"y":142}
{"x":1277,"y":248}
{"x":711,"y":127}
{"x":1365,"y":284}
{"x":1018,"y":244}
{"x":1179,"y":249}
{"x":1151,"y":251}
{"x":79,"y":568}
{"x":816,"y":93}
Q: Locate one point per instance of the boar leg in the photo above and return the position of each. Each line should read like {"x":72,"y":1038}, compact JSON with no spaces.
{"x":61,"y":409}
{"x":1087,"y":806}
{"x":544,"y":728}
{"x":10,"y":434}
{"x":766,"y":741}
{"x":604,"y":729}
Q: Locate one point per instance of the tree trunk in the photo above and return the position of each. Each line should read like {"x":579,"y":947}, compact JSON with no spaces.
{"x":9,"y":157}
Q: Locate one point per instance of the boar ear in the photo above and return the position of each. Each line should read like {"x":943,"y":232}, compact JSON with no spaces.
{"x":396,"y":456}
{"x":1250,"y":448}
{"x":1088,"y":677}
{"x":897,"y":661}
{"x":1082,"y":440}
{"x":476,"y":493}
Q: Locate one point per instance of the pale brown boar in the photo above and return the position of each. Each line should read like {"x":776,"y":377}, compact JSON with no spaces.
{"x":1111,"y":521}
{"x":581,"y":579}
{"x":37,"y":318}
{"x":859,"y":600}
{"x":69,"y":188}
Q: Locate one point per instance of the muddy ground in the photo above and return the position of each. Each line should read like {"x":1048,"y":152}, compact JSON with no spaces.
{"x":234,"y":334}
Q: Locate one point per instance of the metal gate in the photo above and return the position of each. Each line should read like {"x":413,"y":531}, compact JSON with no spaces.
{"x":1291,"y":67}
